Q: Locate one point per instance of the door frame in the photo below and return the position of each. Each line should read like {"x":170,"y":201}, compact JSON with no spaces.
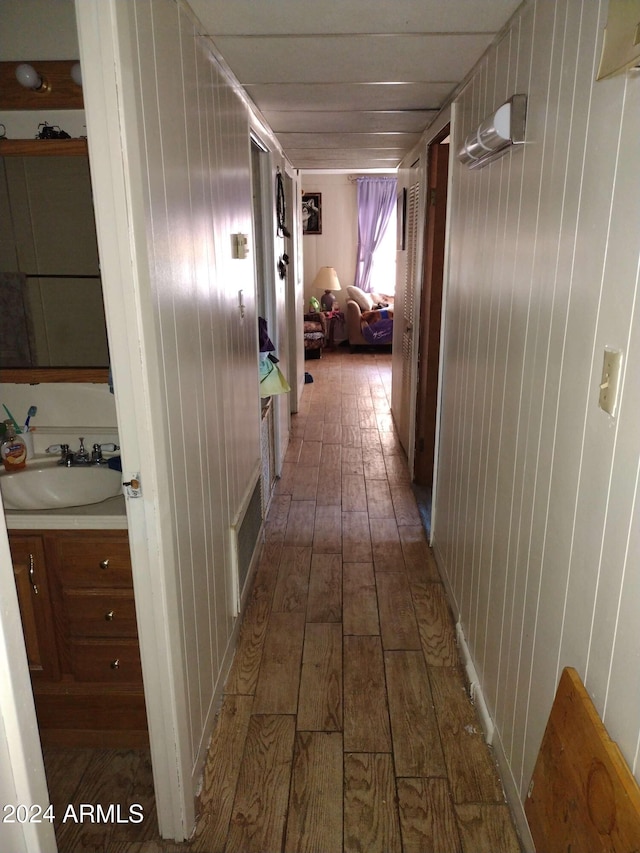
{"x":113,"y":139}
{"x":22,"y":775}
{"x":432,"y":285}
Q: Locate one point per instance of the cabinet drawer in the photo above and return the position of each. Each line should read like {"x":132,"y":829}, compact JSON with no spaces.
{"x":98,"y":613}
{"x":109,"y":662}
{"x":94,"y":562}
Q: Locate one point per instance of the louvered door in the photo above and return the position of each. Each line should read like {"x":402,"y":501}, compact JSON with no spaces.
{"x":403,"y":415}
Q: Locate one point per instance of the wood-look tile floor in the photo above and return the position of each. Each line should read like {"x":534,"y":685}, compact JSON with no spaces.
{"x":346,"y":724}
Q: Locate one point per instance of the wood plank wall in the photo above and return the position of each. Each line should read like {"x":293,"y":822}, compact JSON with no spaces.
{"x":195,"y":161}
{"x":536,"y":516}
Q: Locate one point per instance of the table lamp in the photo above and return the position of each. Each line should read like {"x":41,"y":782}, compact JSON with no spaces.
{"x":327,"y":280}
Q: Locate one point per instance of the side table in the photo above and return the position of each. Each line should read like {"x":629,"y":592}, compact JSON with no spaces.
{"x":336,"y":328}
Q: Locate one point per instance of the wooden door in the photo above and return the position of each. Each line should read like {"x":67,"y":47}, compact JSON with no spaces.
{"x":29,"y":569}
{"x":407,"y":315}
{"x":430,"y":311}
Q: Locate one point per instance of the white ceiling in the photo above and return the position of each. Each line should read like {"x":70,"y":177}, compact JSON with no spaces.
{"x":351,"y":84}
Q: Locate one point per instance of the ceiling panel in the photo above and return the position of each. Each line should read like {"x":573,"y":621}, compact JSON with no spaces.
{"x":396,"y":141}
{"x":352,"y":58}
{"x":389,"y":121}
{"x":351,"y":83}
{"x":348,"y":96}
{"x":245,"y":17}
{"x":353,"y":158}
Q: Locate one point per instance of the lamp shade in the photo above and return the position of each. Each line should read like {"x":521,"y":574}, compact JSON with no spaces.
{"x":327,"y":280}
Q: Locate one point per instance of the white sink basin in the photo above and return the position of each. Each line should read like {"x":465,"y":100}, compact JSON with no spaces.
{"x":44,"y":484}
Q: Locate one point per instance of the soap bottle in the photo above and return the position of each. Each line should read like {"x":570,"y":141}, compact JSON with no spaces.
{"x":13,"y":449}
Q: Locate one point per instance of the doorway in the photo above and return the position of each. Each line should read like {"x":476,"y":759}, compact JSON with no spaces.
{"x":266,"y":309}
{"x":430,"y":322}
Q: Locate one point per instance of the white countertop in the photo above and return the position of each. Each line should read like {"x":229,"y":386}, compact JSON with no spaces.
{"x":108,"y":515}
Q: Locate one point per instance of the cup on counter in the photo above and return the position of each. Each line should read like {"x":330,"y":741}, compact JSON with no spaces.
{"x":27,"y":435}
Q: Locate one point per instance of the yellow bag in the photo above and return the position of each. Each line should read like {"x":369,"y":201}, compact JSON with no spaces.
{"x":272,"y":380}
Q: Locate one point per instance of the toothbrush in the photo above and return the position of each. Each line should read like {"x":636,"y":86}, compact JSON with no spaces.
{"x":30,"y":414}
{"x":13,"y":420}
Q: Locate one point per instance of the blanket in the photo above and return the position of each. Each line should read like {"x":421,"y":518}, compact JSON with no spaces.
{"x":377,"y":326}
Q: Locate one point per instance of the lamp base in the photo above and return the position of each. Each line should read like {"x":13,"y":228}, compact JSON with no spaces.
{"x":327,"y":300}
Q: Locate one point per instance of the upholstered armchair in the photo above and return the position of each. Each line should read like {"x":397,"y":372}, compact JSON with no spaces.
{"x":315,"y":334}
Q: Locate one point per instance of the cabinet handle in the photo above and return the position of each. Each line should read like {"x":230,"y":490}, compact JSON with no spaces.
{"x":104,"y":564}
{"x":109,"y":616}
{"x":115,"y":664}
{"x":32,"y":574}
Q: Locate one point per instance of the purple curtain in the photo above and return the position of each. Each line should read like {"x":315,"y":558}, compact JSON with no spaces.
{"x":376,"y":200}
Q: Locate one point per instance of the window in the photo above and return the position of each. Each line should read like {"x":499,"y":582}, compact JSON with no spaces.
{"x":383,"y":269}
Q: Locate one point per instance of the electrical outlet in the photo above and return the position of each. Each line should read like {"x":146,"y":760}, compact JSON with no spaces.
{"x":610,"y":379}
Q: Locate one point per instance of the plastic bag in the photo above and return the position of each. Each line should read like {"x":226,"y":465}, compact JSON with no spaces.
{"x":272,"y":380}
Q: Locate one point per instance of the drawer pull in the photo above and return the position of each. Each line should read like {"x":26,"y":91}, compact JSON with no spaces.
{"x":104,"y":564}
{"x":109,"y":616}
{"x":115,"y":664}
{"x":32,"y":574}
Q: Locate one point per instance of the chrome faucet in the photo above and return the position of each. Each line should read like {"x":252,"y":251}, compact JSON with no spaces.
{"x":82,"y":457}
{"x":70,"y":459}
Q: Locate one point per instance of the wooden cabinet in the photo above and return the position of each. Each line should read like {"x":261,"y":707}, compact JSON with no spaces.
{"x":27,"y":553}
{"x":76,"y":599}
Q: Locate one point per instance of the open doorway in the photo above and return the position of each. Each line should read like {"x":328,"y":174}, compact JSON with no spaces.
{"x":266,"y":309}
{"x":430,"y":321}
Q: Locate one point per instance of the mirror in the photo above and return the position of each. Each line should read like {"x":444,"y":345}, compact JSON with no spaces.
{"x":52,"y":324}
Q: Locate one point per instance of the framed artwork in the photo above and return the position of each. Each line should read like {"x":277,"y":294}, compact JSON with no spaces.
{"x":311,"y":213}
{"x":401,"y":217}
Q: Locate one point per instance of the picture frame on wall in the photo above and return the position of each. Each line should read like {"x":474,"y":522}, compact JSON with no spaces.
{"x":311,"y":213}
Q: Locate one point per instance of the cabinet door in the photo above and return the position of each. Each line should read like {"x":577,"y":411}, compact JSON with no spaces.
{"x":29,"y":569}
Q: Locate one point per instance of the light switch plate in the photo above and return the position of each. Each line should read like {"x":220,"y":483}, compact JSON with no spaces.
{"x":239,"y":246}
{"x":610,"y":379}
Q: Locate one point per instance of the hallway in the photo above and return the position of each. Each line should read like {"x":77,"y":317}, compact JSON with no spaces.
{"x":345,"y":724}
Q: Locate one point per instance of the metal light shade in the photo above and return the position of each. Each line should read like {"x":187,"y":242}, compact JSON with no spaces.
{"x":327,"y":280}
{"x":497,"y":133}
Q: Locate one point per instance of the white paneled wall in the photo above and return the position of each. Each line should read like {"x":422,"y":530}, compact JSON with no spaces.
{"x":194,"y":154}
{"x":536,"y":518}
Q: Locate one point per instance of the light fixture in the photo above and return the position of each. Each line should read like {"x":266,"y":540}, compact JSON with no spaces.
{"x":497,"y":133}
{"x":621,"y":43}
{"x":28,"y":77}
{"x":327,"y":280}
{"x":76,"y":73}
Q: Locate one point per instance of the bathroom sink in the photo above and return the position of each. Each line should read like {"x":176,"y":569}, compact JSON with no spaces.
{"x":44,"y":484}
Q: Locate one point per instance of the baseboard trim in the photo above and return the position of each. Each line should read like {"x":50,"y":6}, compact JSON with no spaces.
{"x":475,"y":690}
{"x":491,"y":732}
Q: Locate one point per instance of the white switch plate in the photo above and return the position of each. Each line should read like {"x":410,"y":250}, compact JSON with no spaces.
{"x":610,"y":379}
{"x":239,"y":246}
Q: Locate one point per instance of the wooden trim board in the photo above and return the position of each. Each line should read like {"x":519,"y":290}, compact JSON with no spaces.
{"x":582,"y":796}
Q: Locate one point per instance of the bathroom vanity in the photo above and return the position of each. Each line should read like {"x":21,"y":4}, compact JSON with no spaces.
{"x":73,"y":576}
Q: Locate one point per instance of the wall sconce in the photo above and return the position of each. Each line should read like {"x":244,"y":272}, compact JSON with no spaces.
{"x":28,"y":77}
{"x":621,"y":45}
{"x":327,"y":280}
{"x":27,"y":85}
{"x":76,"y":73}
{"x":497,"y":133}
